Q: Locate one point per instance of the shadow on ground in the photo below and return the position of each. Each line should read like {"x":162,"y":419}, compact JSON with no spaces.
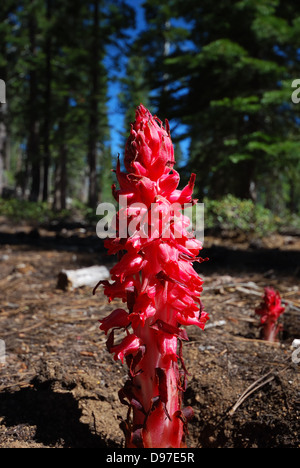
{"x":221,"y":257}
{"x":258,"y":260}
{"x":55,"y":417}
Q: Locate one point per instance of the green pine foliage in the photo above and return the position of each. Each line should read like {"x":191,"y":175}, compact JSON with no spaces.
{"x":53,"y":60}
{"x":228,"y":77}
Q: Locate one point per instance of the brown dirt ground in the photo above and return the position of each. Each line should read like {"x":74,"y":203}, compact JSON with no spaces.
{"x":59,"y":385}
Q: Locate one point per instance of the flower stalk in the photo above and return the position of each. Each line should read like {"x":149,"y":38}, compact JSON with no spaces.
{"x":155,"y":278}
{"x":270,"y":310}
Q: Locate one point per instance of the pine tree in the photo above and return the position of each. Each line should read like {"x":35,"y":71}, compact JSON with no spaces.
{"x":227,"y":78}
{"x":238,"y":107}
{"x":106,"y":26}
{"x":58,"y":90}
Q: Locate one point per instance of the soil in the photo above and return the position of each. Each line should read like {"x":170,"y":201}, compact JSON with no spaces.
{"x":59,"y":385}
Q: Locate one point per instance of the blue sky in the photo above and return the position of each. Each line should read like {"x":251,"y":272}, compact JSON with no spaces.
{"x":115,"y":115}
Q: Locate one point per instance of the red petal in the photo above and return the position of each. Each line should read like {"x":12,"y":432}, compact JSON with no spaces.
{"x":130,"y":344}
{"x":117,"y":319}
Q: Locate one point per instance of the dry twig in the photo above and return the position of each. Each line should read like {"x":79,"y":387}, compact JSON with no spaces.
{"x":262,"y":381}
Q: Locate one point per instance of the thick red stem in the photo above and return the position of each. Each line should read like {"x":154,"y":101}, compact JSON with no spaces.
{"x":156,"y":388}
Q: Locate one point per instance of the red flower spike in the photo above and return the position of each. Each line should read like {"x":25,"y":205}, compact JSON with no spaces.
{"x":270,"y":310}
{"x":156,"y":279}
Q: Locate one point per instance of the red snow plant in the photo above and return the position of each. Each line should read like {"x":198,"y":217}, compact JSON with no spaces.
{"x":270,"y":310}
{"x":155,"y":277}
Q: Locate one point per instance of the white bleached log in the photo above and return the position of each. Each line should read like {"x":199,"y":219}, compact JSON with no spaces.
{"x":72,"y":279}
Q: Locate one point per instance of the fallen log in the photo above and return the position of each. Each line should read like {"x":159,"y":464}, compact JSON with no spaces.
{"x":72,"y":279}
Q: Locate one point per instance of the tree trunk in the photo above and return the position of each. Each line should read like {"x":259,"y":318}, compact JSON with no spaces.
{"x":60,"y":180}
{"x":94,"y":117}
{"x":3,"y":120}
{"x":3,"y":145}
{"x":61,"y":176}
{"x":47,"y":154}
{"x":56,"y":192}
{"x":33,"y":137}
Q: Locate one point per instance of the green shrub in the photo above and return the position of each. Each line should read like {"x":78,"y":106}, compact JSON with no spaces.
{"x":32,"y":212}
{"x":231,"y":213}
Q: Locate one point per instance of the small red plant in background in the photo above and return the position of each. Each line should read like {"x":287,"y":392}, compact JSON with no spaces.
{"x":270,"y":310}
{"x":156,"y":279}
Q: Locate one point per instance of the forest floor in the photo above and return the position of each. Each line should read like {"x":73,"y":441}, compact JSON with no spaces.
{"x":59,"y":385}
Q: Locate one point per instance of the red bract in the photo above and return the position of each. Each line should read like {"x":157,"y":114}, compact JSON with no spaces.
{"x":156,"y":278}
{"x":270,"y":310}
